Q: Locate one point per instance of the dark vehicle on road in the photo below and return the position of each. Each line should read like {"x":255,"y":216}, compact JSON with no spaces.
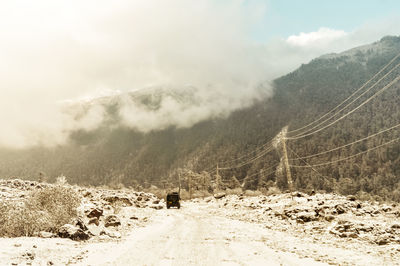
{"x":173,"y":200}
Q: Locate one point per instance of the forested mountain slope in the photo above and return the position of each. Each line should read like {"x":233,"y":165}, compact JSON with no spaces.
{"x":115,"y":153}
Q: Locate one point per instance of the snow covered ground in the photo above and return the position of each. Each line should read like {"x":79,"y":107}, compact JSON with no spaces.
{"x":232,"y":230}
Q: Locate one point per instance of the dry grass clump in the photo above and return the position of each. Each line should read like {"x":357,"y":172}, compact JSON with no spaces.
{"x":44,"y":210}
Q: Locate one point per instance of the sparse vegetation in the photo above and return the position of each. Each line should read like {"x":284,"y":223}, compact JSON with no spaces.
{"x":43,"y":210}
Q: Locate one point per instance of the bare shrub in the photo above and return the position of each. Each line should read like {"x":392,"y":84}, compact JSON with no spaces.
{"x":272,"y":191}
{"x":252,"y":193}
{"x":158,"y":192}
{"x":200,"y":194}
{"x":44,"y":210}
{"x":61,"y":180}
{"x":18,"y":219}
{"x":184,"y":195}
{"x":234,"y":191}
{"x":59,"y":201}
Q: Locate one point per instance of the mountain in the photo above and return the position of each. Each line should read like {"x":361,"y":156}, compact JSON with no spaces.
{"x":116,"y":153}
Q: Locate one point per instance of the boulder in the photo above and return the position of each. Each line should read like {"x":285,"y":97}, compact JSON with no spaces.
{"x":340,"y":209}
{"x":72,"y":232}
{"x":219,"y":195}
{"x":110,"y":233}
{"x":386,"y":208}
{"x":305,"y":217}
{"x":112,"y":220}
{"x":381,"y":240}
{"x":299,"y":194}
{"x":94,"y":220}
{"x":157,"y":207}
{"x":329,"y":218}
{"x":95,"y":213}
{"x":117,"y":198}
{"x":395,"y":226}
{"x":351,"y":198}
{"x":44,"y":234}
{"x":80,"y":224}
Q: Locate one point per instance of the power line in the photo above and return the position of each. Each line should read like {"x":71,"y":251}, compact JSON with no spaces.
{"x":269,"y":143}
{"x":312,"y":168}
{"x":251,"y":177}
{"x":243,"y":164}
{"x":348,"y":144}
{"x":349,"y":157}
{"x":333,"y":115}
{"x":255,"y":174}
{"x":350,"y":112}
{"x":250,"y":160}
{"x":366,"y":83}
{"x":249,"y":153}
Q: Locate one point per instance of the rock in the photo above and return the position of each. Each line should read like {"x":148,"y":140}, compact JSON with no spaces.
{"x":157,"y":201}
{"x":381,"y":241}
{"x":376,"y":212}
{"x":395,"y":226}
{"x":305,"y":217}
{"x":329,"y":218}
{"x":219,"y":195}
{"x":117,"y":198}
{"x":72,"y":232}
{"x":298,"y":194}
{"x":87,"y":194}
{"x":29,"y":255}
{"x":386,"y":208}
{"x":340,"y":209}
{"x":96,"y":212}
{"x":157,"y":207}
{"x":364,"y":228}
{"x":108,"y":208}
{"x":95,"y":230}
{"x":351,"y":198}
{"x":79,"y":223}
{"x":208,"y":199}
{"x":112,"y":220}
{"x":94,"y":220}
{"x":44,"y":234}
{"x":110,"y":233}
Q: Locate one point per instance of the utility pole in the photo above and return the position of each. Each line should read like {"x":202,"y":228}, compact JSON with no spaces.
{"x":179,"y":179}
{"x":217,"y":178}
{"x":190,"y":186}
{"x":286,"y":160}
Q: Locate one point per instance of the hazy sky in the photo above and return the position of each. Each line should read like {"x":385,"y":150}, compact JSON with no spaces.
{"x":52,"y":51}
{"x":283,"y":18}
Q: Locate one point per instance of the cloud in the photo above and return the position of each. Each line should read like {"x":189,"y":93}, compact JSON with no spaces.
{"x":53,"y":51}
{"x":322,"y":36}
{"x":287,"y":54}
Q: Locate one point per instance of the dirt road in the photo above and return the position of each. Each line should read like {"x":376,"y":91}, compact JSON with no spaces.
{"x":192,"y":236}
{"x":200,"y":233}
